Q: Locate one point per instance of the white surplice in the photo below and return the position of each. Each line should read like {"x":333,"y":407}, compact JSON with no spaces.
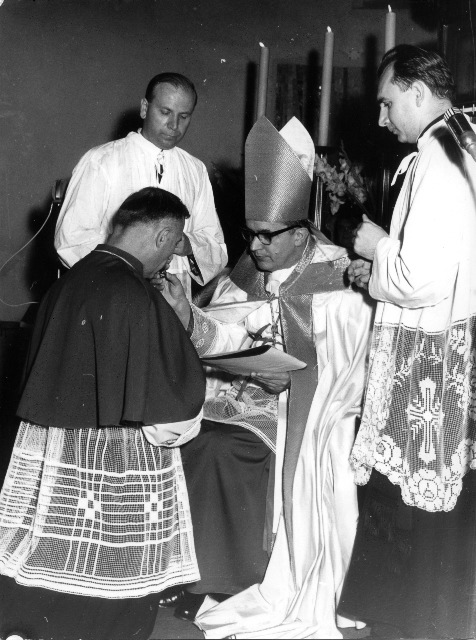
{"x":106,"y":175}
{"x":419,"y":421}
{"x":301,"y":602}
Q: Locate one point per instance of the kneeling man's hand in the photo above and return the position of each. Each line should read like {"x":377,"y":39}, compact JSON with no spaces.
{"x":272,"y":382}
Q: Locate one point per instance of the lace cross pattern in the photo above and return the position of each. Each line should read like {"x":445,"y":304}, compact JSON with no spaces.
{"x":419,"y":421}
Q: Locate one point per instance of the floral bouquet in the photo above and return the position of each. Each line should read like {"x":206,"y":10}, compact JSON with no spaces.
{"x":343,"y":182}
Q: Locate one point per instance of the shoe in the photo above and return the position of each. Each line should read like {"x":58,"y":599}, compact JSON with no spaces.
{"x":170,"y":597}
{"x":189,"y":605}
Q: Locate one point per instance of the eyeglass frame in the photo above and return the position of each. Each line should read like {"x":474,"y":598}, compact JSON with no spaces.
{"x":249,"y":235}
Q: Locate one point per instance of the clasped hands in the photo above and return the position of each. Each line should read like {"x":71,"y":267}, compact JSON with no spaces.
{"x":367,"y":236}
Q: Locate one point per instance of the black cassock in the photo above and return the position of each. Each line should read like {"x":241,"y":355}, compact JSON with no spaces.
{"x":107,"y":350}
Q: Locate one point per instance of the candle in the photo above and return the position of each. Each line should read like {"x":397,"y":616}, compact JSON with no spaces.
{"x":390,"y":22}
{"x":326,"y":89}
{"x":263,"y":80}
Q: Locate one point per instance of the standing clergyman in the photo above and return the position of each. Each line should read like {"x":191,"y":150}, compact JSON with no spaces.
{"x":106,"y":175}
{"x":413,"y":562}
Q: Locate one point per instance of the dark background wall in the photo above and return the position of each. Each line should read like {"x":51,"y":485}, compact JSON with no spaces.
{"x":73,"y":72}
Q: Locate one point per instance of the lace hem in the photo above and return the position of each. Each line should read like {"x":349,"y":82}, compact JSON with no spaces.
{"x":256,"y":411}
{"x":419,"y":421}
{"x":95,"y":512}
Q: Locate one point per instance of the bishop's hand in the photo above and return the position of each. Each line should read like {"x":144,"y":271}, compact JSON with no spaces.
{"x":272,"y":382}
{"x":172,"y":290}
{"x":184,"y":248}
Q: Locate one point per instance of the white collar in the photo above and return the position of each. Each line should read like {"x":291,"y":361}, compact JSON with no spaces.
{"x":148,"y":146}
{"x":276,"y":278}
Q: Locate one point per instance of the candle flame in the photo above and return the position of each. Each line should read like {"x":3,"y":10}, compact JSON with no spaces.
{"x":389,"y":9}
{"x":261,"y":44}
{"x":329,"y":29}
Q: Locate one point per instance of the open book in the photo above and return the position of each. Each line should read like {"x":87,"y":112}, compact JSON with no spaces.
{"x":257,"y":359}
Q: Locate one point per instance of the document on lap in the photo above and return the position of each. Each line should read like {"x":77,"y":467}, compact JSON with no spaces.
{"x":262,"y":359}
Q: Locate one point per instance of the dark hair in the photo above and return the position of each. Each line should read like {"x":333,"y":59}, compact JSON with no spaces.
{"x":411,"y":64}
{"x":177,"y":80}
{"x":150,"y":204}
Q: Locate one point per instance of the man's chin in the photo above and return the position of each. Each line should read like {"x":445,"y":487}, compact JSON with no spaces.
{"x":168,"y":143}
{"x":262,"y":264}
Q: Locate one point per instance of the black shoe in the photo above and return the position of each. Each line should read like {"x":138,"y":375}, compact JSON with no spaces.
{"x":170,"y":597}
{"x":189,"y":605}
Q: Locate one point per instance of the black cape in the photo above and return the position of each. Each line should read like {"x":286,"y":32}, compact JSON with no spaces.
{"x":107,"y":349}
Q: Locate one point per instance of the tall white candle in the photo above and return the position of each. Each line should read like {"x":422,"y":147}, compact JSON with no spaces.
{"x":263,"y":81}
{"x":326,"y":83}
{"x":390,"y":23}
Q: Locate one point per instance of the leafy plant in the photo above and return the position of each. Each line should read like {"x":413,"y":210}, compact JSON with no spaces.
{"x":344,"y":182}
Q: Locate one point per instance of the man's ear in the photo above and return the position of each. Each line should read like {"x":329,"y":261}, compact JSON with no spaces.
{"x":144,"y":105}
{"x":162,"y":236}
{"x":419,"y":91}
{"x":300,"y":236}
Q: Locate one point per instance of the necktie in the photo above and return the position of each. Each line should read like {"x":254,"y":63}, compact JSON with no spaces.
{"x":159,"y":166}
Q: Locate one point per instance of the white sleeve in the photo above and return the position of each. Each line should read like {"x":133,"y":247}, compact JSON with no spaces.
{"x":212,"y":336}
{"x":82,"y":222}
{"x":419,"y":268}
{"x":205,"y":233}
{"x":173,"y":434}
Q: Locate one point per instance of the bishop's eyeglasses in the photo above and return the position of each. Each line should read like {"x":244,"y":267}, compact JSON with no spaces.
{"x":265,"y":237}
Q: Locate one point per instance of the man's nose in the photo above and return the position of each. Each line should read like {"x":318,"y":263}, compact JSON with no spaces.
{"x":255,"y":244}
{"x":383,"y":117}
{"x":173,"y":122}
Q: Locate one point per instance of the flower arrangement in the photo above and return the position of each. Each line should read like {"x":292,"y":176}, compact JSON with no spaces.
{"x":342,"y":183}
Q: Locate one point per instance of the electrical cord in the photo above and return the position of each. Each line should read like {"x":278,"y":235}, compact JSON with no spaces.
{"x":24,"y":304}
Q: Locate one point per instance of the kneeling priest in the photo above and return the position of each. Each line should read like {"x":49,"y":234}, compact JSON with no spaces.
{"x":94,"y":516}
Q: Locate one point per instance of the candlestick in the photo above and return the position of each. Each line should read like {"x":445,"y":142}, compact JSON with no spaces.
{"x":324,"y":111}
{"x":263,"y":80}
{"x":390,"y":23}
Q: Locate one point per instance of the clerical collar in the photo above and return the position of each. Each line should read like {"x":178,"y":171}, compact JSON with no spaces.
{"x":281,"y":275}
{"x":428,"y":126}
{"x":131,"y":260}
